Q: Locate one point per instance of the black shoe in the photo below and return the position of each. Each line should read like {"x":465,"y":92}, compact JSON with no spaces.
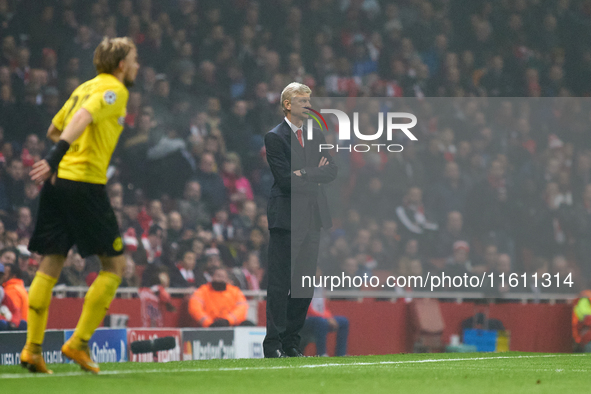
{"x":294,"y":352}
{"x":278,"y":353}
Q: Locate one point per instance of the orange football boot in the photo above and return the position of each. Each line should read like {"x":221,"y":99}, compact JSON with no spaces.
{"x":80,"y":356}
{"x":34,"y":361}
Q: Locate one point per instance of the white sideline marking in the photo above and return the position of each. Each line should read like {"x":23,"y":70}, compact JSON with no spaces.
{"x":354,"y":364}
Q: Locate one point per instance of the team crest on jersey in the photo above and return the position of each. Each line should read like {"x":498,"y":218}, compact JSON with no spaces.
{"x":121,"y":120}
{"x":118,"y":244}
{"x":110,"y":97}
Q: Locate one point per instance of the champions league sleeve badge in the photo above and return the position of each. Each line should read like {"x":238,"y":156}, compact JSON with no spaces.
{"x":110,"y":97}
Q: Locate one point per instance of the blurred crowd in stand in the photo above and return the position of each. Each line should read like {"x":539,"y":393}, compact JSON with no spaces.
{"x":499,"y":188}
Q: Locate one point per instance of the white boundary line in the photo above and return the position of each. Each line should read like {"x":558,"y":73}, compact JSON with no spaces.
{"x":263,"y":368}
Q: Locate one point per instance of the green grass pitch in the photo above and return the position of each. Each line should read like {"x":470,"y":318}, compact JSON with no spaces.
{"x":401,"y":373}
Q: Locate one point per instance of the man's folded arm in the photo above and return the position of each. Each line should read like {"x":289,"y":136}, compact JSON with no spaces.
{"x":280,"y":166}
{"x":323,"y":174}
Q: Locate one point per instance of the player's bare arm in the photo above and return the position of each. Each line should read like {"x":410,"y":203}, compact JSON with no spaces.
{"x":53,"y":133}
{"x":43,"y":169}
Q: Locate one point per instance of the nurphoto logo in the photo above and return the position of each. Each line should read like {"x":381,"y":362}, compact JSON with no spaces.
{"x":344,"y":129}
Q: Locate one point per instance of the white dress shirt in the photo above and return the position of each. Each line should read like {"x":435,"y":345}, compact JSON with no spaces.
{"x":295,"y":128}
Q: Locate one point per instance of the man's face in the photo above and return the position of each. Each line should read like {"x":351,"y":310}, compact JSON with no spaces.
{"x":24,"y":217}
{"x":213,"y":106}
{"x":116,"y":189}
{"x":84,"y":34}
{"x":156,"y":239}
{"x":220,"y":275}
{"x":198,"y":247}
{"x":389,"y":229}
{"x":452,"y":171}
{"x":4,"y":75}
{"x":155,"y":209}
{"x":460,"y":255}
{"x":130,"y":67}
{"x":131,"y":211}
{"x":256,"y":237}
{"x":78,"y":262}
{"x":32,"y":143}
{"x":8,"y":258}
{"x":164,"y":279}
{"x":207,"y":164}
{"x":504,"y":263}
{"x":193,"y":191}
{"x":163,"y":89}
{"x":296,"y":106}
{"x":23,"y":57}
{"x":496,"y":170}
{"x":8,"y":44}
{"x":213,"y":262}
{"x":175,"y":221}
{"x":240,"y":108}
{"x":350,"y":266}
{"x":415,"y":196}
{"x":31,"y":191}
{"x":249,"y":210}
{"x":363,"y":237}
{"x":189,"y":260}
{"x":16,"y":170}
{"x":253,"y":264}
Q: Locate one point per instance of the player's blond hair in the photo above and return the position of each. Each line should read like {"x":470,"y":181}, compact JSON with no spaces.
{"x":290,"y":91}
{"x":110,"y":52}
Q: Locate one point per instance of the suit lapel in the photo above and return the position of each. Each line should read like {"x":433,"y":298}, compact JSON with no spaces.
{"x":293,"y":142}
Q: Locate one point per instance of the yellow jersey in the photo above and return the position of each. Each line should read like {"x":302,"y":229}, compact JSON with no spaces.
{"x":105,"y":98}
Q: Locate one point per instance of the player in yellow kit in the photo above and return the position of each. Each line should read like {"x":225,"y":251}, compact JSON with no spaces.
{"x":73,"y":207}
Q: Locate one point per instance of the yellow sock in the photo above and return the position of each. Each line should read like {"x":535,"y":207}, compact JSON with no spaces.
{"x":39,"y":300}
{"x":96,"y":304}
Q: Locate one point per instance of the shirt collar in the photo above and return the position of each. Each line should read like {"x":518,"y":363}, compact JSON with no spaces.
{"x":293,"y":127}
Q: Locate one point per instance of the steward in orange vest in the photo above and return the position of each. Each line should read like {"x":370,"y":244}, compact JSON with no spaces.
{"x":218,"y":303}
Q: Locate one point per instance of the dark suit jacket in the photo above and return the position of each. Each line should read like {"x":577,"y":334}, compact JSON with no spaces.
{"x":294,"y":196}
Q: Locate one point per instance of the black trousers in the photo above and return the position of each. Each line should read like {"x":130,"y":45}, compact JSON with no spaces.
{"x":291,"y":255}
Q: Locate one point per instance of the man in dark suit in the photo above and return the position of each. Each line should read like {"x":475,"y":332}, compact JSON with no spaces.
{"x":297,"y":209}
